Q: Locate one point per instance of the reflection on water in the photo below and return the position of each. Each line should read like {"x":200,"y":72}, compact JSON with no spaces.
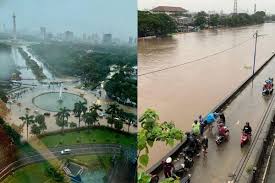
{"x":181,"y":94}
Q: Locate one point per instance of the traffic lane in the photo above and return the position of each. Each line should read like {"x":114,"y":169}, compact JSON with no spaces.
{"x":222,"y":160}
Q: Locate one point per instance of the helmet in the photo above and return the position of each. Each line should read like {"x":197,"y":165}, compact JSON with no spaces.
{"x":247,"y":123}
{"x":169,"y":160}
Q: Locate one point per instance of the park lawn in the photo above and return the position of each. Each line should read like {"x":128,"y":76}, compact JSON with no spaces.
{"x":35,"y":173}
{"x":96,"y":136}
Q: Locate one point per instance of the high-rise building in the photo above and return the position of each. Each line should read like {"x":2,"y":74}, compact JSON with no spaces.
{"x":107,"y":39}
{"x":130,"y":40}
{"x":69,"y":36}
{"x":255,"y":8}
{"x":14,"y":26}
{"x":43,"y":32}
{"x":84,"y":37}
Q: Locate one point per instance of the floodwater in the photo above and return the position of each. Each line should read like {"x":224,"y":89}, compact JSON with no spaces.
{"x":182,"y":93}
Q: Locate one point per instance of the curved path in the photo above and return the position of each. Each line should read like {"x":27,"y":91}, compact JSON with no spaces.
{"x":53,"y":153}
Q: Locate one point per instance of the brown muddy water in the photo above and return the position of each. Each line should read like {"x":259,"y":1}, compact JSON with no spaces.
{"x":182,"y":93}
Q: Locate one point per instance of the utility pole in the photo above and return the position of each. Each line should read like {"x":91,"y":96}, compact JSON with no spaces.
{"x":235,"y":9}
{"x":255,"y":50}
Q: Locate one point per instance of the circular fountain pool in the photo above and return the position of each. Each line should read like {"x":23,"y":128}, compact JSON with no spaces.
{"x":50,"y":101}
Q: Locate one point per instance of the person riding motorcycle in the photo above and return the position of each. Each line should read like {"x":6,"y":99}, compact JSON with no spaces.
{"x":223,"y":131}
{"x":168,"y":167}
{"x":247,"y":129}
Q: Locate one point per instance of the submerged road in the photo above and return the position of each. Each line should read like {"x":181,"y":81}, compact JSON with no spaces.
{"x":250,"y":106}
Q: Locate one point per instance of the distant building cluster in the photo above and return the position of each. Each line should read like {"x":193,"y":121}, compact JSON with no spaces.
{"x":179,"y":14}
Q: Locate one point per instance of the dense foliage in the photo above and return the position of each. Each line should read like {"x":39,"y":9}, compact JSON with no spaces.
{"x":37,"y":71}
{"x":91,"y":63}
{"x":153,"y":130}
{"x":202,"y":19}
{"x":150,"y":24}
{"x":123,"y":85}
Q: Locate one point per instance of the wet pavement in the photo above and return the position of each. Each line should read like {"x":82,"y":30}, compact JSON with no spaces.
{"x":222,"y":160}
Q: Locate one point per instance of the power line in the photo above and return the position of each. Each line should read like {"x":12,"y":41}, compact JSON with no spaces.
{"x":196,"y":60}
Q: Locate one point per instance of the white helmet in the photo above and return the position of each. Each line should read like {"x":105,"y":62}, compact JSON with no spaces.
{"x":169,"y":160}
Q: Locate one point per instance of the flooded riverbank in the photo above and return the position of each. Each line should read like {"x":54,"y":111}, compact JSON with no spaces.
{"x":181,"y":94}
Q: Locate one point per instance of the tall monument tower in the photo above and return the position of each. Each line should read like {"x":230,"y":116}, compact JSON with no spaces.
{"x":14,"y":26}
{"x":235,"y":10}
{"x":255,"y":8}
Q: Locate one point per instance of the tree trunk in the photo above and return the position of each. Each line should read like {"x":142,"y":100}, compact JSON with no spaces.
{"x":79,"y":123}
{"x":27,"y":131}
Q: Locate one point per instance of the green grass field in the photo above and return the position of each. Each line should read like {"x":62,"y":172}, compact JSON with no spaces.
{"x":96,"y":136}
{"x":35,"y":173}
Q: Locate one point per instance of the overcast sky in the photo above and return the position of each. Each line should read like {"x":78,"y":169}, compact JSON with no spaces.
{"x":211,"y":5}
{"x":90,"y":16}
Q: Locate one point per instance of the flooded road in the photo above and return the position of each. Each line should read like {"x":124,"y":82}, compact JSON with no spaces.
{"x":181,"y":94}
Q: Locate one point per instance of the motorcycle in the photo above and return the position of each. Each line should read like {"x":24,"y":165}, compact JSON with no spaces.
{"x":220,"y":139}
{"x":184,"y":167}
{"x":245,"y":138}
{"x":154,"y":179}
{"x":267,"y":92}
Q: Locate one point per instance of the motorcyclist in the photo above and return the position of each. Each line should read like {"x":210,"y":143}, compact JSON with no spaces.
{"x":223,"y":131}
{"x":168,"y":167}
{"x":247,"y":129}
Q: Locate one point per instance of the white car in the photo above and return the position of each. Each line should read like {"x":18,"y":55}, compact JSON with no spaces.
{"x":66,"y":151}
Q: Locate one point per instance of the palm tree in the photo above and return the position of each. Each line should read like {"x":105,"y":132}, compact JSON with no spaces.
{"x":96,"y":108}
{"x":62,"y":117}
{"x":79,"y":108}
{"x":113,"y":112}
{"x":129,"y":118}
{"x":27,"y":120}
{"x":90,"y":118}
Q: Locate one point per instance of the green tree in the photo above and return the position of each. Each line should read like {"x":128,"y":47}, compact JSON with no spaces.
{"x":79,"y":109}
{"x":150,"y":24}
{"x":28,"y":120}
{"x":40,"y":121}
{"x":62,"y":118}
{"x":35,"y":129}
{"x":113,"y":112}
{"x":96,"y":108}
{"x":153,"y":130}
{"x":200,"y":19}
{"x":214,"y":20}
{"x":90,"y":118}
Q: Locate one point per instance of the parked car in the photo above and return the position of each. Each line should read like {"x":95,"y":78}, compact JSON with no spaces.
{"x":66,"y":151}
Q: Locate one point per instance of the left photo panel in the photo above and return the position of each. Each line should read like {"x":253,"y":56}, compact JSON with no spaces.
{"x":68,"y":91}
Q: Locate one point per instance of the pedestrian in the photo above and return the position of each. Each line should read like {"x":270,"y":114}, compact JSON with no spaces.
{"x":222,"y":118}
{"x":196,"y":128}
{"x":204,"y":143}
{"x":202,"y":124}
{"x":168,"y":167}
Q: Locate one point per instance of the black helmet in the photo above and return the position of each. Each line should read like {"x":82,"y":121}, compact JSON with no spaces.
{"x":247,"y":123}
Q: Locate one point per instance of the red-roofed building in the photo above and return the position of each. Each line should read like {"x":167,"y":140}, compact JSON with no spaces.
{"x":169,"y":10}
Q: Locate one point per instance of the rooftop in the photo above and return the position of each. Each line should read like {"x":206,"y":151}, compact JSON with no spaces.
{"x":168,"y":9}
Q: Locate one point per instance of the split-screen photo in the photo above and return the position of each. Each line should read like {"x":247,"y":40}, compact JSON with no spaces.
{"x":137,"y":91}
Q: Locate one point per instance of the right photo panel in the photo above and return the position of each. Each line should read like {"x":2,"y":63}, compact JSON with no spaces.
{"x":205,"y":91}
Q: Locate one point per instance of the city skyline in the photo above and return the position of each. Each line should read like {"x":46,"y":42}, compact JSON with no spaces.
{"x":211,"y":5}
{"x":30,"y":17}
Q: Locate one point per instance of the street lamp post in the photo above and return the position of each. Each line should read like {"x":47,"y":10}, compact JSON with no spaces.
{"x":255,"y":51}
